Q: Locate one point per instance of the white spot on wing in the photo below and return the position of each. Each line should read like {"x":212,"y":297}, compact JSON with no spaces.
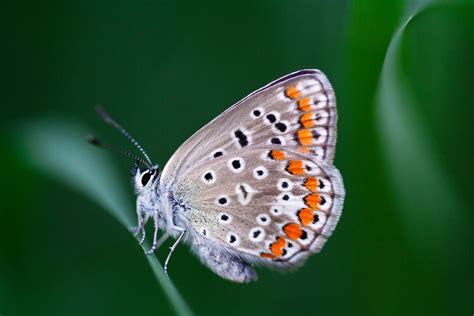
{"x":322,"y":135}
{"x":309,"y":237}
{"x":325,"y":203}
{"x":224,"y":218}
{"x":263,"y":219}
{"x":321,"y":117}
{"x":281,"y":94}
{"x":321,"y":220}
{"x":233,"y":239}
{"x":324,"y":185}
{"x":310,"y":168}
{"x":223,"y":200}
{"x":276,"y":210}
{"x":318,"y":151}
{"x":204,"y":232}
{"x":257,"y":234}
{"x":286,"y":198}
{"x":260,"y":173}
{"x":284,"y":184}
{"x":257,"y":112}
{"x":244,"y":193}
{"x":291,"y":248}
{"x":321,"y":97}
{"x":309,"y":86}
{"x":208,"y":177}
{"x":236,"y":164}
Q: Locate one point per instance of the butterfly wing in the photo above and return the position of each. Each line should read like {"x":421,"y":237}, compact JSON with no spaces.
{"x":297,"y":111}
{"x":271,"y":205}
{"x":258,"y":180}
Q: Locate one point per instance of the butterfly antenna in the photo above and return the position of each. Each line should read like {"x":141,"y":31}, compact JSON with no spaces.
{"x":109,"y":120}
{"x":91,"y":139}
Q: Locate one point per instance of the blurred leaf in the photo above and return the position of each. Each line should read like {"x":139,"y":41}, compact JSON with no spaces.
{"x":58,"y":148}
{"x":421,"y":183}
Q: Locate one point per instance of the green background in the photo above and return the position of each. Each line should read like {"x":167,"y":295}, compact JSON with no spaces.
{"x":404,"y":244}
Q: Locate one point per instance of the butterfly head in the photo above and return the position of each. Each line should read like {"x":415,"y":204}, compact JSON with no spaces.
{"x":145,"y":179}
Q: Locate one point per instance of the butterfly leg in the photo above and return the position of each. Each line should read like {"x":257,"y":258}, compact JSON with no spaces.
{"x":156,"y":243}
{"x":172,"y":248}
{"x":141,"y":221}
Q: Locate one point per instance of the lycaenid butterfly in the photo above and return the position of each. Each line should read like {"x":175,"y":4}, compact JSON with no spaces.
{"x":254,"y":187}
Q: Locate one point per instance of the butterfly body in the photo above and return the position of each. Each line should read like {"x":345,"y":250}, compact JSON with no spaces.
{"x":255,"y":186}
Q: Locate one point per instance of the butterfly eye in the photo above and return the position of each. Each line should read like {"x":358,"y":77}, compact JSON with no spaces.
{"x":147,"y":176}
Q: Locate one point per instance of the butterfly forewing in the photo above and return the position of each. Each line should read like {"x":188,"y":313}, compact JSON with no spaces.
{"x":297,"y":111}
{"x":258,"y":180}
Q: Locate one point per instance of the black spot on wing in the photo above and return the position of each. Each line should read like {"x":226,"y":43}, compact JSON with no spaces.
{"x":241,"y":137}
{"x":323,"y":200}
{"x":244,"y":192}
{"x":271,"y":118}
{"x":236,"y":164}
{"x":276,"y":141}
{"x":281,"y":127}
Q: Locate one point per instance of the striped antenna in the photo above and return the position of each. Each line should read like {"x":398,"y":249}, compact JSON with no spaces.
{"x":109,"y":120}
{"x":91,"y":139}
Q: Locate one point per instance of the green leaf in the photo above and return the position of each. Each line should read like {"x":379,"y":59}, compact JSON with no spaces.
{"x":422,"y":186}
{"x":57,"y":147}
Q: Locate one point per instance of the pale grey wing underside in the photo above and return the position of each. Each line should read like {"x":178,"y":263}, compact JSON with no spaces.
{"x":298,"y":110}
{"x":282,"y":210}
{"x":287,"y":130}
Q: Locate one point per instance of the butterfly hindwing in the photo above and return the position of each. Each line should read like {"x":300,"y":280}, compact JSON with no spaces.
{"x":271,"y":205}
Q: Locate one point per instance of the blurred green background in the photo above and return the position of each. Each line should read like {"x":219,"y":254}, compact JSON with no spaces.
{"x":402,"y":72}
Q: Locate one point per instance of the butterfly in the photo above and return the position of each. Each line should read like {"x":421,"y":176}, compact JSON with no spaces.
{"x":254,"y":187}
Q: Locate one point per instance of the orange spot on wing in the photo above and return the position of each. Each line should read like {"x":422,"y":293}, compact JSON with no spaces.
{"x":305,"y":136}
{"x":306,"y":120}
{"x":304,"y":150}
{"x":312,"y":200}
{"x":304,"y":104}
{"x":293,"y":231}
{"x":281,"y":241}
{"x":292,"y":92}
{"x":266,"y":255}
{"x":306,"y":216}
{"x":295,"y":167}
{"x":277,"y":154}
{"x":277,"y":247}
{"x":311,"y":184}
